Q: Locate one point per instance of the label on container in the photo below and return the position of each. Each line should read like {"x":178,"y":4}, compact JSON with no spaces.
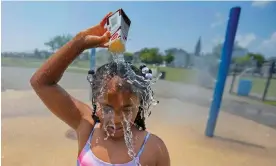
{"x":118,"y":25}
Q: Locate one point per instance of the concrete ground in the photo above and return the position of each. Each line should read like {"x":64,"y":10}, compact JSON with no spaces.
{"x":32,"y":136}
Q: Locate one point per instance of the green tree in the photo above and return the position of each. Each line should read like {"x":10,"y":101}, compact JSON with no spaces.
{"x":168,"y":58}
{"x":259,"y":58}
{"x":243,"y":60}
{"x":37,"y":53}
{"x":51,"y":44}
{"x":62,"y":40}
{"x":58,"y":41}
{"x":128,"y":56}
{"x":151,"y":56}
{"x":249,"y":57}
{"x":146,"y":57}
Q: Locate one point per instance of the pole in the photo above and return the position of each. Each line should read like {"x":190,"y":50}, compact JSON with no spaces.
{"x":93,"y":59}
{"x":233,"y":79}
{"x":92,"y":65}
{"x":223,"y":69}
{"x":271,"y":69}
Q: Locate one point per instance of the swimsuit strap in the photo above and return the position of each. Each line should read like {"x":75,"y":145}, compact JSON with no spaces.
{"x":88,"y":144}
{"x":90,"y":136}
{"x":143,"y":145}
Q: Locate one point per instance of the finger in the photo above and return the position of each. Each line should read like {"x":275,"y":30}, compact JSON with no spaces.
{"x":109,"y":14}
{"x":106,"y":45}
{"x":104,"y":20}
{"x":93,"y":41}
{"x":105,"y":38}
{"x":107,"y":34}
{"x":103,"y":46}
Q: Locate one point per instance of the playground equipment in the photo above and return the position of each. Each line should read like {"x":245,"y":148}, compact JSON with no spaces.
{"x":92,"y":66}
{"x":93,"y":59}
{"x":226,"y":55}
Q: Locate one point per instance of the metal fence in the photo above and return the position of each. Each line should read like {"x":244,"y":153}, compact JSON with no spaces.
{"x":255,"y":83}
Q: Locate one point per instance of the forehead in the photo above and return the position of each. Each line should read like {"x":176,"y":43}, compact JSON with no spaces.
{"x":119,"y":92}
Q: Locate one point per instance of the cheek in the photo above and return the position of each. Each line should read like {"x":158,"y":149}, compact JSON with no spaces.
{"x":134,"y":115}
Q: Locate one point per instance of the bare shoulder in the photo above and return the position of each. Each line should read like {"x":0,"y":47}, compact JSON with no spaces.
{"x":157,"y":143}
{"x":160,"y":149}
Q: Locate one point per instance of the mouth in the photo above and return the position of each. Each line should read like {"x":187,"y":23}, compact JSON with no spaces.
{"x":115,"y":129}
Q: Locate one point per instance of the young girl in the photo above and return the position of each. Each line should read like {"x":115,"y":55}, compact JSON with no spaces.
{"x":114,"y":131}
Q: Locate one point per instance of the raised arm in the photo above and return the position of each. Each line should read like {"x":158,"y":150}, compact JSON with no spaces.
{"x":45,"y":79}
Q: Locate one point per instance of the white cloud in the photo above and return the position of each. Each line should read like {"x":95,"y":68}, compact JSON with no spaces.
{"x":268,"y":46}
{"x":245,"y":40}
{"x":250,"y":41}
{"x":219,"y":20}
{"x":271,"y":41}
{"x":260,"y":4}
{"x":217,"y":40}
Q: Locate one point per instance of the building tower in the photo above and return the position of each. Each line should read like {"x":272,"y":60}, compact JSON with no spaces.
{"x":198,"y":47}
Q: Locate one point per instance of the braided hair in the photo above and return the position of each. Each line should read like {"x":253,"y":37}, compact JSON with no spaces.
{"x":128,"y":72}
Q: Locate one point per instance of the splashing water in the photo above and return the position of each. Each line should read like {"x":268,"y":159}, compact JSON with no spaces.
{"x":139,"y":85}
{"x":108,"y":116}
{"x":118,"y":58}
{"x":138,"y":82}
{"x":128,"y":134}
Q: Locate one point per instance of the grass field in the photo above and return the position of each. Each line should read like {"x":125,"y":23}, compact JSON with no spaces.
{"x":258,"y":86}
{"x":22,"y":62}
{"x":172,"y":74}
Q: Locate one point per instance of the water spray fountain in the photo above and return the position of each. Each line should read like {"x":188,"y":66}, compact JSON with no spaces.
{"x":204,"y":67}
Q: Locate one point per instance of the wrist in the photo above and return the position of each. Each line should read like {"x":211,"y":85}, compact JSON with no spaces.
{"x":78,"y":42}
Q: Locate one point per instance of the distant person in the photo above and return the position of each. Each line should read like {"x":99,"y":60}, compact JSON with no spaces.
{"x":119,"y":98}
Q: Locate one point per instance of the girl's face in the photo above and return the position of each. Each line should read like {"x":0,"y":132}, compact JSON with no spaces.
{"x":117,"y":107}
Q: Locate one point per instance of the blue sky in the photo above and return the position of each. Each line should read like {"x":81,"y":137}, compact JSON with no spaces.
{"x":27,"y":25}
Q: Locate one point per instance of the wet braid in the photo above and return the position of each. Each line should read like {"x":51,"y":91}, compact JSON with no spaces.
{"x":139,"y":120}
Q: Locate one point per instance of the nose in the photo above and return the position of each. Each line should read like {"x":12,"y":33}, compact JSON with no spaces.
{"x":117,"y":118}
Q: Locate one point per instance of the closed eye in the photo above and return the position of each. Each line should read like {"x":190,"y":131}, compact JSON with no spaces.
{"x":128,"y":109}
{"x":107,"y":108}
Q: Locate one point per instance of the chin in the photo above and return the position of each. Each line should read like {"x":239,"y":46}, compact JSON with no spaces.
{"x":117,"y":136}
{"x":115,"y":133}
